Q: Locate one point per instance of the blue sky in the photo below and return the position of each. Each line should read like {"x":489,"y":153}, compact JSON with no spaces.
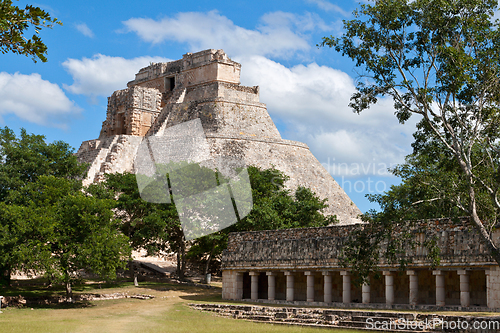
{"x":102,"y":44}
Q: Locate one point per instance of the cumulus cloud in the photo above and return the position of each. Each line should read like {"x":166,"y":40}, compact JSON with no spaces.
{"x":313,"y":100}
{"x":31,"y":98}
{"x":84,"y":29}
{"x":101,"y":74}
{"x":278,"y":34}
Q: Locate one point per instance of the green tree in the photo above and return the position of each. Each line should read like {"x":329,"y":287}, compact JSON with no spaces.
{"x":439,"y":60}
{"x":23,"y":160}
{"x":152,"y":225}
{"x":49,"y":224}
{"x":145,"y":224}
{"x":14,"y":25}
{"x":274,"y":207}
{"x":61,"y":230}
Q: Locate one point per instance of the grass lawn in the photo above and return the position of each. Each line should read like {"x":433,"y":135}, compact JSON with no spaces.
{"x":167,"y":312}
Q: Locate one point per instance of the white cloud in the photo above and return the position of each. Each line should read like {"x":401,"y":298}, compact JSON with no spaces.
{"x":31,"y":98}
{"x":101,"y":74}
{"x":313,"y":100}
{"x":279,"y":34}
{"x":84,"y":29}
{"x":328,"y":6}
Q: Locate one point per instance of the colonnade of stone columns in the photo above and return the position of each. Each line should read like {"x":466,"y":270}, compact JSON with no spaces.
{"x":346,"y":286}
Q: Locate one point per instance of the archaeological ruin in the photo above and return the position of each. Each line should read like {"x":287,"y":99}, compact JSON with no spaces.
{"x":302,"y":266}
{"x":206,"y":86}
{"x":297,"y":266}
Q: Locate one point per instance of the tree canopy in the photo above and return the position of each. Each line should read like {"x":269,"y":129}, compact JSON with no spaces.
{"x":49,"y":224}
{"x":154,"y":225}
{"x":14,"y":25}
{"x":439,"y":60}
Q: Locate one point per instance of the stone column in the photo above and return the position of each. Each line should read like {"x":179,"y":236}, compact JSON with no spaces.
{"x":327,"y":288}
{"x":289,"y":285}
{"x":346,"y":286}
{"x":365,"y":293}
{"x":413,"y":299}
{"x":239,"y":285}
{"x":389,"y":287}
{"x":271,"y":285}
{"x":464,"y":288}
{"x":493,"y":287}
{"x":310,"y":286}
{"x":254,"y":289}
{"x":440,"y":293}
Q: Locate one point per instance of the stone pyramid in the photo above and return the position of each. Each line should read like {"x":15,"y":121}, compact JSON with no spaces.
{"x":206,"y":86}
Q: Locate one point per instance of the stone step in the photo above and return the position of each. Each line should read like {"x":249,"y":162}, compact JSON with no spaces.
{"x":370,"y":314}
{"x":340,"y":327}
{"x":259,"y":318}
{"x":360,"y":320}
{"x":300,"y":320}
{"x":376,"y":318}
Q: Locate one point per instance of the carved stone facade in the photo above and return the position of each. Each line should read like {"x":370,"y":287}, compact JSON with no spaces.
{"x":206,"y":85}
{"x":303,"y":265}
{"x":131,"y":111}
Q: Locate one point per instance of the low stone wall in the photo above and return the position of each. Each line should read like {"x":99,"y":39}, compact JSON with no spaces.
{"x":361,"y":319}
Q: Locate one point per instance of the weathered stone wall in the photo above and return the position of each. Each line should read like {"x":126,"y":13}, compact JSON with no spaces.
{"x":466,"y":275}
{"x":321,"y":247}
{"x":131,"y":111}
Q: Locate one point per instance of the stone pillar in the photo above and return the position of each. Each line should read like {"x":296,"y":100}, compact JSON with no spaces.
{"x":271,"y":285}
{"x":310,"y":286}
{"x":389,"y":287}
{"x":289,"y":285}
{"x":239,"y":285}
{"x":440,"y":293}
{"x":254,"y":289}
{"x":327,"y":288}
{"x":493,"y":287}
{"x":365,"y":293}
{"x":464,"y":288}
{"x":413,"y":299}
{"x":346,"y":286}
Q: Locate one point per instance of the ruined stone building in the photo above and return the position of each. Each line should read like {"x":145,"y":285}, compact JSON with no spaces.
{"x":302,"y":266}
{"x":206,"y":86}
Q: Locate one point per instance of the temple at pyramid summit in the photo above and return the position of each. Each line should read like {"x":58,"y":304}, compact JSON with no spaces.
{"x":206,"y":86}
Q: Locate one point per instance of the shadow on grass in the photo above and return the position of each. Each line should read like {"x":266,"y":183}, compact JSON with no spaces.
{"x":168,"y":285}
{"x":40,"y":294}
{"x":61,"y":305}
{"x":209,"y":295}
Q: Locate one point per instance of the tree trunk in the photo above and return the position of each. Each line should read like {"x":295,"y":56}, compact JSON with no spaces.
{"x":178,"y":263}
{"x":474,"y":218}
{"x":69,"y":292}
{"x":5,"y":273}
{"x":206,"y":270}
{"x":479,"y":226}
{"x":182,"y":254}
{"x":134,"y":271}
